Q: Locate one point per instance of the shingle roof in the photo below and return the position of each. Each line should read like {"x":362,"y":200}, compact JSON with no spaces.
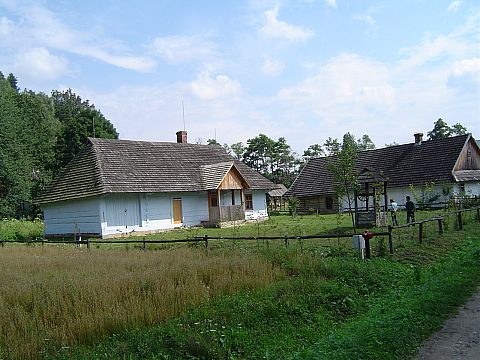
{"x":280,"y":190}
{"x":212,"y":175}
{"x":118,"y":166}
{"x":432,"y":160}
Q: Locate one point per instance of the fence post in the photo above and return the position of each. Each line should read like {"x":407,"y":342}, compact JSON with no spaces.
{"x":205,"y":238}
{"x":1,"y":242}
{"x":440,"y":226}
{"x":367,"y":248}
{"x":390,"y":240}
{"x":286,"y":241}
{"x":478,"y":213}
{"x":144,"y":245}
{"x":420,"y":233}
{"x":88,"y":244}
{"x":460,"y":222}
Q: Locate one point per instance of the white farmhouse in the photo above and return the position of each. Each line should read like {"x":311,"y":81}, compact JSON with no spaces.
{"x":117,"y":187}
{"x":428,"y":171}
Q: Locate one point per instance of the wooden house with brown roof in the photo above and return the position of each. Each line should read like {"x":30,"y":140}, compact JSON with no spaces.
{"x":451,"y":163}
{"x":114,"y":187}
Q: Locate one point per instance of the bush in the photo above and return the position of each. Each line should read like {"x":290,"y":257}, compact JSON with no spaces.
{"x":20,"y":229}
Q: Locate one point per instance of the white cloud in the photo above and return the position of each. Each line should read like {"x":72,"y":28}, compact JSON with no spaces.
{"x":208,"y":88}
{"x":466,"y":66}
{"x":332,"y":3}
{"x":432,"y":49}
{"x":6,"y":26}
{"x":454,"y":6}
{"x":40,"y":27}
{"x":275,"y":28}
{"x":370,"y":21}
{"x":346,"y":84}
{"x":176,"y":49}
{"x":39,"y":64}
{"x":272,"y":67}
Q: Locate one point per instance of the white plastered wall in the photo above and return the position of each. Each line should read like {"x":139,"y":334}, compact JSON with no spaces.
{"x":72,"y":217}
{"x":259,"y":199}
{"x":155,"y":212}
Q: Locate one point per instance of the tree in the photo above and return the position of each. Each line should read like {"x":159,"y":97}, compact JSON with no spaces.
{"x":12,"y":80}
{"x":213,"y":142}
{"x":365,"y":143}
{"x":458,"y":129}
{"x":238,"y":149}
{"x":332,"y":146}
{"x":441,"y":130}
{"x":79,"y":120}
{"x":13,"y":182}
{"x":312,"y":152}
{"x":342,"y":168}
{"x":257,"y":153}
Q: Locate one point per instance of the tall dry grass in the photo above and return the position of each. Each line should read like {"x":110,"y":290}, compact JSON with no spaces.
{"x":64,"y":296}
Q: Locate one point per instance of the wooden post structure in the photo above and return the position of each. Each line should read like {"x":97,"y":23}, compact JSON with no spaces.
{"x":478,"y":213}
{"x":420,"y":232}
{"x":440,"y":226}
{"x":390,"y":240}
{"x":385,"y":198}
{"x":144,"y":245}
{"x":286,"y":241}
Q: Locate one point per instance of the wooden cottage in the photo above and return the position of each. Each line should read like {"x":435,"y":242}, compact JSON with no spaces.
{"x":114,"y":187}
{"x":432,"y":171}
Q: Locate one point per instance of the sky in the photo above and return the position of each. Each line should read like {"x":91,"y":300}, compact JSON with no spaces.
{"x":305,"y":70}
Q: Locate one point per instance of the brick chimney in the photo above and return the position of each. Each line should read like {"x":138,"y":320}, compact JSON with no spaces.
{"x":418,"y":138}
{"x":182,"y":137}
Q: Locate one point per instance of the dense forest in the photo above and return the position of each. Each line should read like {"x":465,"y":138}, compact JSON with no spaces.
{"x":39,"y":135}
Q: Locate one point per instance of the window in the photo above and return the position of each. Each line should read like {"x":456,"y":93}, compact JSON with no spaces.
{"x":248,"y":202}
{"x":329,"y":202}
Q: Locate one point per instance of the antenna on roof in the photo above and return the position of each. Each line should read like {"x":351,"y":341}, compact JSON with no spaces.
{"x":183,"y":115}
{"x":93,"y":126}
{"x":215,"y":135}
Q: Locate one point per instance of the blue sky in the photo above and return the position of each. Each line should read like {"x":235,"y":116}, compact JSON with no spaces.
{"x":306,"y":70}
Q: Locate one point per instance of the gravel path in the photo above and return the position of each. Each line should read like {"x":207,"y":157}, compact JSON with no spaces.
{"x":459,"y":338}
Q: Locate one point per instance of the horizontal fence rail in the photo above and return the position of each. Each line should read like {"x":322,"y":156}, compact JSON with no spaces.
{"x":439,"y":220}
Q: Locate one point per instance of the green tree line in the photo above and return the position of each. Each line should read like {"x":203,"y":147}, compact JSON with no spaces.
{"x":275,"y":159}
{"x":39,"y":135}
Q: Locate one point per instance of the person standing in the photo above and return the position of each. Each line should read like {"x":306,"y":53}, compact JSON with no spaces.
{"x":410,"y":207}
{"x":393,"y":211}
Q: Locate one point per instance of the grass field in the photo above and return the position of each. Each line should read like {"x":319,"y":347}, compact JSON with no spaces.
{"x":236,"y":302}
{"x":328,"y":307}
{"x":66,"y":296}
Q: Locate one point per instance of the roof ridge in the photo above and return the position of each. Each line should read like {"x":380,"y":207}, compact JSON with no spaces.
{"x":98,"y":166}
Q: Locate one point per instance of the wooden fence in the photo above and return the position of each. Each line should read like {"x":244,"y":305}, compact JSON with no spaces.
{"x":438,"y":222}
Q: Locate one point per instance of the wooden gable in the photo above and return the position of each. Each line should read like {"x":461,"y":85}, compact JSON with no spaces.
{"x":233,"y":181}
{"x":469,"y":158}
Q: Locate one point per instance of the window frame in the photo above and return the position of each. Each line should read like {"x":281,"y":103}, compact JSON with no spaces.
{"x":248,"y":201}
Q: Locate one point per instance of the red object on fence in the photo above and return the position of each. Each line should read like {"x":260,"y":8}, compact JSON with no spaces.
{"x":367,"y":235}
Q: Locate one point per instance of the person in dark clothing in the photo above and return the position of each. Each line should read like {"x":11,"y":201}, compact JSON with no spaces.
{"x":410,"y":207}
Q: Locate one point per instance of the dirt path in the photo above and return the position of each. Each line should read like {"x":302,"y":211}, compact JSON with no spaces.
{"x":459,"y":338}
